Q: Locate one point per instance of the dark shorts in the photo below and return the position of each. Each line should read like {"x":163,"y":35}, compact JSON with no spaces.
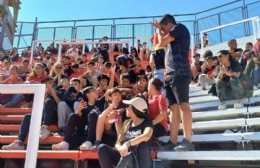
{"x":177,"y":89}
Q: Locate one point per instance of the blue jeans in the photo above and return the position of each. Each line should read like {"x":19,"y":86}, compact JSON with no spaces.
{"x":15,"y":100}
{"x":257,"y":76}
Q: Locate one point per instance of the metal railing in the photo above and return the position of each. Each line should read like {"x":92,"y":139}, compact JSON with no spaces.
{"x":128,"y":28}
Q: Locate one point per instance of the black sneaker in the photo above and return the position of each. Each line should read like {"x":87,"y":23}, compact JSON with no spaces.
{"x":184,"y":146}
{"x":95,"y":146}
{"x":169,"y":146}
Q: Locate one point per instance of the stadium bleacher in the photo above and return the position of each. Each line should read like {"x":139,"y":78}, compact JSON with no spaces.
{"x":209,"y":126}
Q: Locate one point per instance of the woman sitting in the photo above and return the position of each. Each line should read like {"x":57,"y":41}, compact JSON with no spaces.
{"x":229,"y":85}
{"x":135,"y":134}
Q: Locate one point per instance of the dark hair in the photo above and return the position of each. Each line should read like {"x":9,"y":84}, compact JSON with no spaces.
{"x":125,"y":76}
{"x":103,"y":76}
{"x":75,"y":80}
{"x":207,"y":54}
{"x":231,"y":41}
{"x":108,"y":65}
{"x":249,"y":43}
{"x":25,"y":60}
{"x":196,"y":55}
{"x":157,"y":83}
{"x":87,"y":90}
{"x":45,"y":80}
{"x":91,"y":63}
{"x":113,"y":90}
{"x":75,"y":65}
{"x":223,"y":52}
{"x":140,"y":114}
{"x":167,"y":19}
{"x":142,"y":76}
{"x":148,"y":68}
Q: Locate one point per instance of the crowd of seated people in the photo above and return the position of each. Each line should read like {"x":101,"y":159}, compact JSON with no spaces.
{"x":86,"y":93}
{"x":233,"y":73}
{"x":85,"y":96}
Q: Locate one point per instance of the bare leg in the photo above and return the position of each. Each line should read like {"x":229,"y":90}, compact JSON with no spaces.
{"x":175,"y":122}
{"x":186,"y":120}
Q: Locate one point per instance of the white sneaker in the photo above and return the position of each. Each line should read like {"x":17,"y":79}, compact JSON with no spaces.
{"x":44,"y":132}
{"x":86,"y":146}
{"x":61,"y":146}
{"x":222,"y":107}
{"x":238,"y":105}
{"x":16,"y":145}
{"x":255,"y":87}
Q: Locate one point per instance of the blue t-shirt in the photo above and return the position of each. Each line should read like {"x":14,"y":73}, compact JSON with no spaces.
{"x":177,"y":53}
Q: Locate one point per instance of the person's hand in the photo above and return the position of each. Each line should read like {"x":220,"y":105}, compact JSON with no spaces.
{"x":223,"y":70}
{"x":156,"y":24}
{"x":82,"y":105}
{"x":53,"y":91}
{"x":123,"y":150}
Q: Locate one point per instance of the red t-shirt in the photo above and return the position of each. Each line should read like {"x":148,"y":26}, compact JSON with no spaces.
{"x":36,"y":79}
{"x":78,"y":74}
{"x":157,"y":103}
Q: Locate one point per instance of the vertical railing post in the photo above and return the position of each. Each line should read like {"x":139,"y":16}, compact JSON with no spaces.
{"x":54,"y":33}
{"x":133,"y":35}
{"x":220,"y":32}
{"x":19,"y":36}
{"x":35,"y":29}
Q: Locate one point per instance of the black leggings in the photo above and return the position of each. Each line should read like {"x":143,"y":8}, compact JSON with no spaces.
{"x":109,"y":157}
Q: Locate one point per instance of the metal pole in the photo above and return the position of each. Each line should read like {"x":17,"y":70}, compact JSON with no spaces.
{"x":19,"y":36}
{"x":54,"y":33}
{"x":32,"y":49}
{"x":133,"y":36}
{"x":59,"y":52}
{"x":35,"y":29}
{"x":2,"y":34}
{"x":220,"y":32}
{"x":93,"y":35}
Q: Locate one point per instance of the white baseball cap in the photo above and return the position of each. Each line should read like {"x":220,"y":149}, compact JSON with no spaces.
{"x":138,"y":103}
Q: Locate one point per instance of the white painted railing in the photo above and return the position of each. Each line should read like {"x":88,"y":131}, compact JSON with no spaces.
{"x":33,"y":139}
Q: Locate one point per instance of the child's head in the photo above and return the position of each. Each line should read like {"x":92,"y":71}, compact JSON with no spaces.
{"x":90,"y":93}
{"x":65,"y":82}
{"x":75,"y":82}
{"x":115,"y":95}
{"x":142,"y":80}
{"x":8,"y":64}
{"x":155,"y":85}
{"x":124,"y":80}
{"x":103,"y":80}
{"x":48,"y":81}
{"x":75,"y":67}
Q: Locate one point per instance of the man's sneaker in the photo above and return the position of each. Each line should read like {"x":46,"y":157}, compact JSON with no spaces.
{"x":44,"y":132}
{"x":86,"y":146}
{"x":95,"y":146}
{"x":238,"y":105}
{"x":222,"y":106}
{"x":61,"y":146}
{"x":255,"y":87}
{"x":169,"y":146}
{"x":16,"y":145}
{"x":184,"y":146}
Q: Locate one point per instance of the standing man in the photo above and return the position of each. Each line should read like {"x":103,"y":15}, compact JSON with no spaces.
{"x":176,"y":38}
